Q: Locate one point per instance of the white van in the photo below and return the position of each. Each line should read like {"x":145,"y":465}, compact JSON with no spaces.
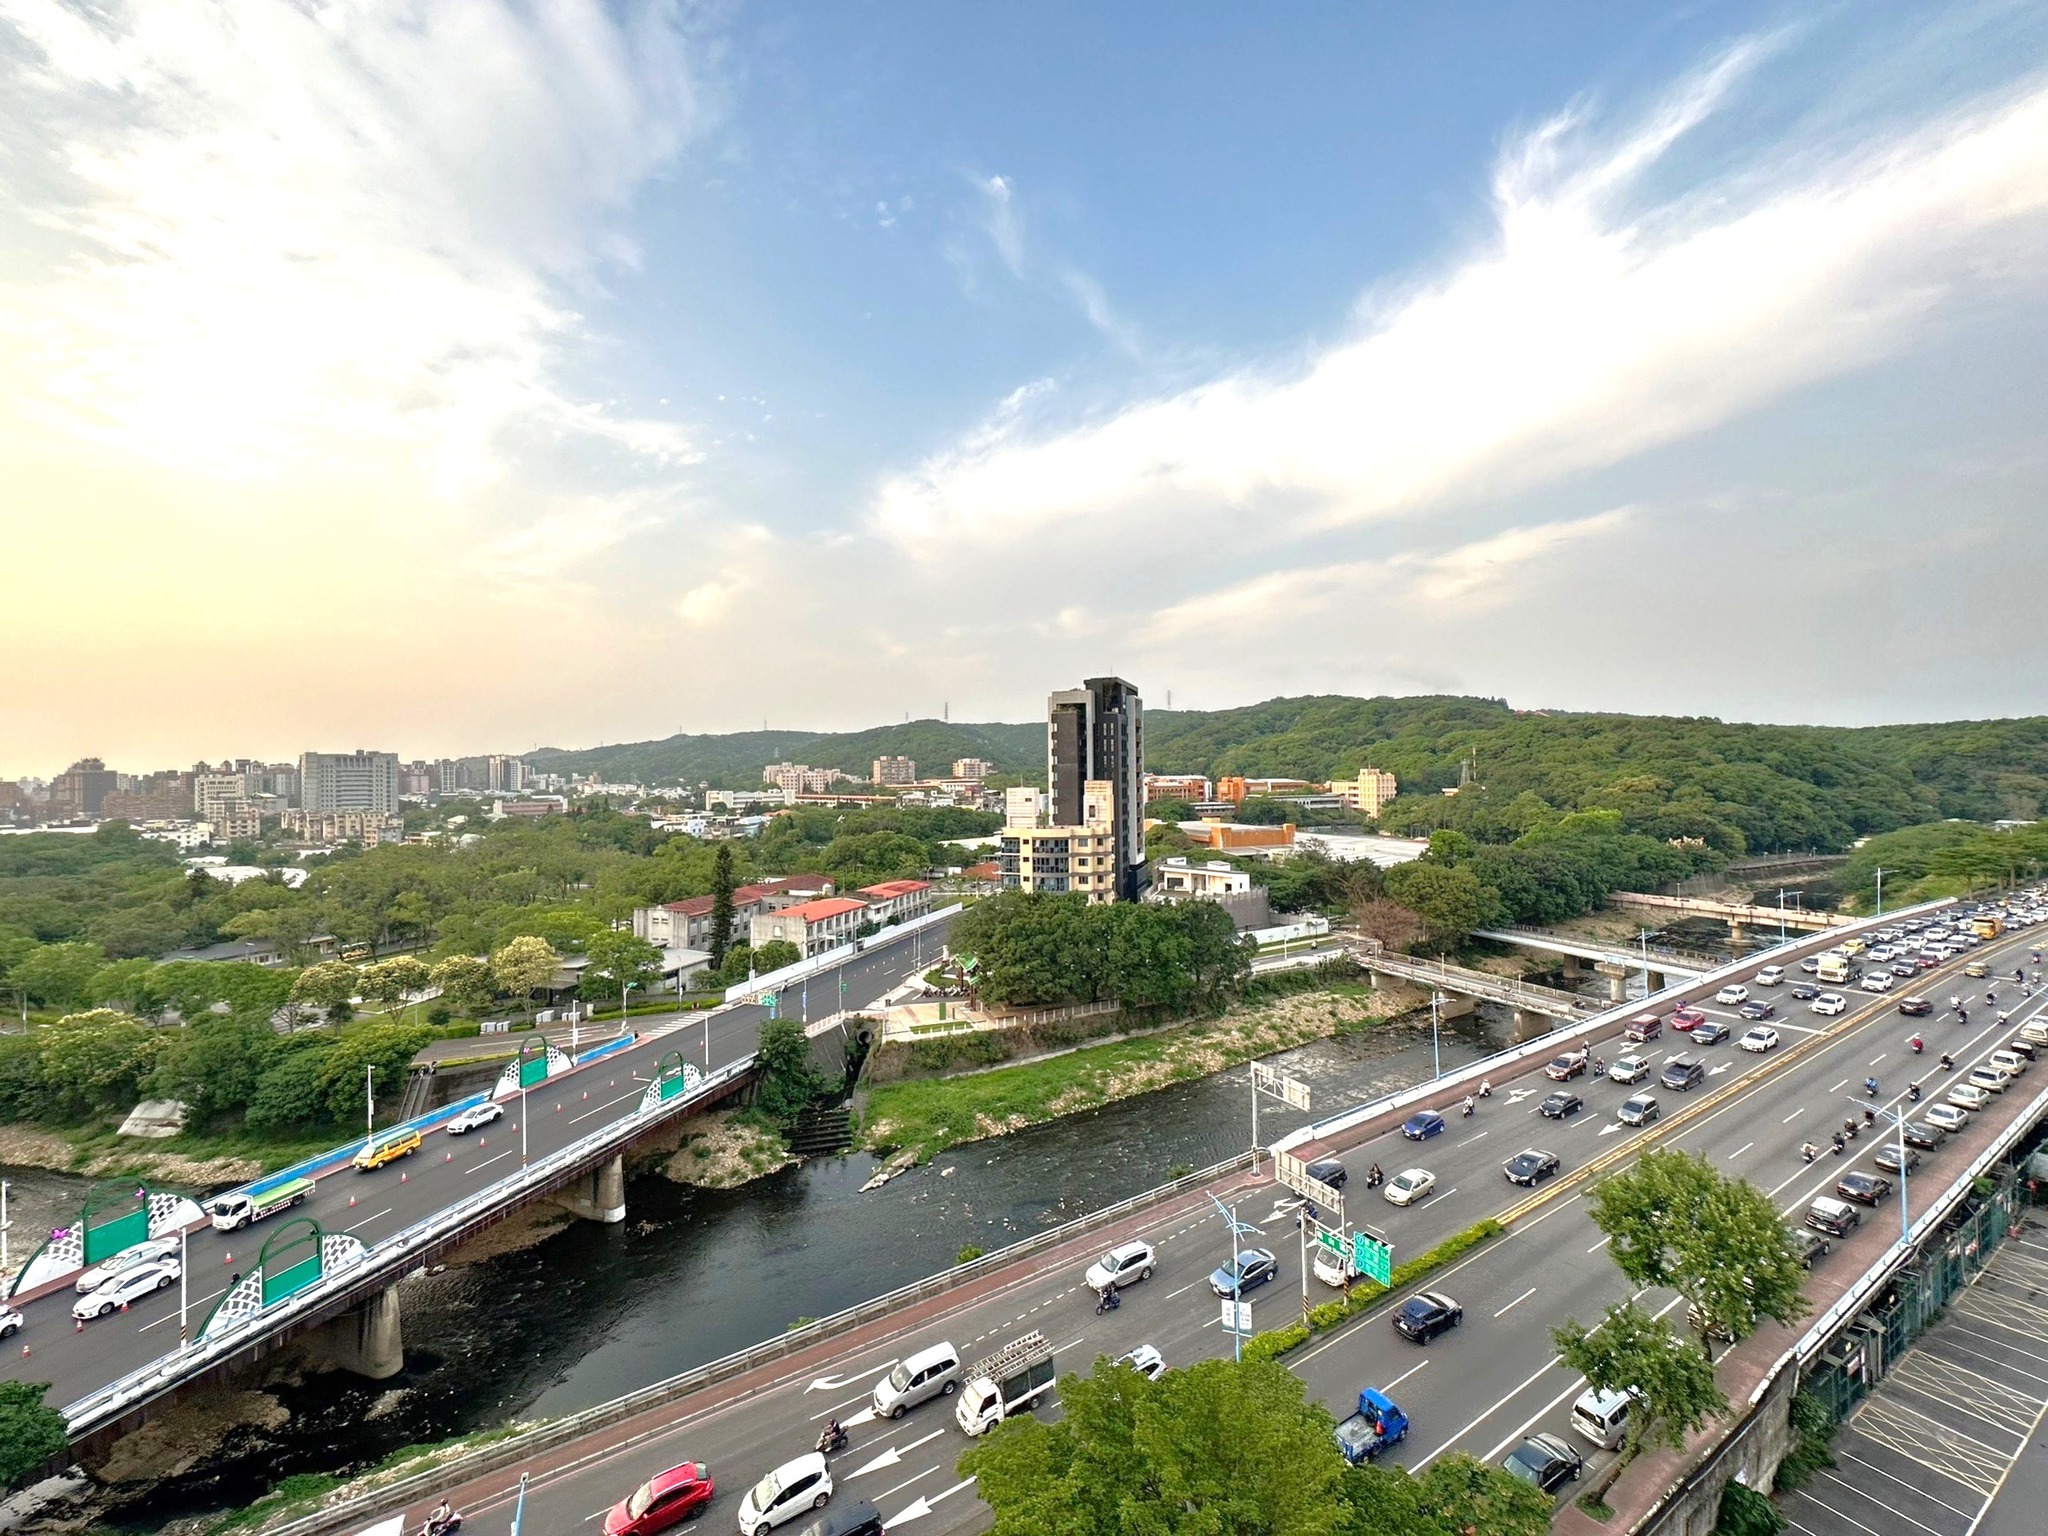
{"x":926,"y":1374}
{"x":1602,"y":1417}
{"x":2035,"y":1031}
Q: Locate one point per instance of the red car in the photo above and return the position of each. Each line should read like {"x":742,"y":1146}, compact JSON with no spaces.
{"x":1685,"y":1016}
{"x":663,"y":1500}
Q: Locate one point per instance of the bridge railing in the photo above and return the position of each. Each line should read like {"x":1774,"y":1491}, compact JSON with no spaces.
{"x":389,"y":1259}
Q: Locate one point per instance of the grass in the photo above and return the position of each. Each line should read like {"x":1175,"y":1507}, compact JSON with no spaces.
{"x":927,"y":1116}
{"x":302,"y":1490}
{"x":201,"y":1145}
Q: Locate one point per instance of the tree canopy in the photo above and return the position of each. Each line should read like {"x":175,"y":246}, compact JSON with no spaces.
{"x":1039,"y":949}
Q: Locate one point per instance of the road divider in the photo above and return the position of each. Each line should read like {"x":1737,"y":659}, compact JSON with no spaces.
{"x":1364,"y":1294}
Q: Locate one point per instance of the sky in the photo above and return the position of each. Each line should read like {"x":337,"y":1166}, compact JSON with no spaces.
{"x":448,"y":376}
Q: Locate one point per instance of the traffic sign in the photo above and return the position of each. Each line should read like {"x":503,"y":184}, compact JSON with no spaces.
{"x":1237,"y":1316}
{"x":1293,"y":1173}
{"x":1372,"y":1258}
{"x":1292,"y":1091}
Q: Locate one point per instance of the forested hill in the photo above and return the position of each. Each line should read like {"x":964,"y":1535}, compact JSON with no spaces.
{"x":735,"y":761}
{"x":1740,"y":787}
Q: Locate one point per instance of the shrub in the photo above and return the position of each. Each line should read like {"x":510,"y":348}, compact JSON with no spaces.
{"x":967,"y":1255}
{"x":1745,"y":1512}
{"x":1275,"y":1342}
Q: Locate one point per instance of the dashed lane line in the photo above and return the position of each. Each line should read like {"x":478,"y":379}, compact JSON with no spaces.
{"x":1503,"y":1312}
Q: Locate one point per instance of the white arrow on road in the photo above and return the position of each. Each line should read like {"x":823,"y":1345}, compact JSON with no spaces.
{"x":1611,"y":1127}
{"x":854,"y":1421}
{"x":1516,"y":1095}
{"x":894,"y":1454}
{"x":834,"y":1383}
{"x":918,"y":1507}
{"x":1717,"y":1071}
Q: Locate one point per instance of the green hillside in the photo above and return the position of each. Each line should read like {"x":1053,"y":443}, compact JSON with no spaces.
{"x":736,"y":761}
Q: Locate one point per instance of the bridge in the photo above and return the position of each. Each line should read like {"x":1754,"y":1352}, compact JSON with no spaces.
{"x":1740,"y":916}
{"x":1658,"y":960}
{"x":1494,"y":1380}
{"x":321,"y":1277}
{"x":1525,"y":998}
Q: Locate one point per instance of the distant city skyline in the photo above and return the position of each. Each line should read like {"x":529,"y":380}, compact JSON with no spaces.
{"x":688,"y":364}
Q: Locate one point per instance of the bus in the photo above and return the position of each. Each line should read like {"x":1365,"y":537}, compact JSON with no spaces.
{"x":1987,"y":926}
{"x":1834,"y":968}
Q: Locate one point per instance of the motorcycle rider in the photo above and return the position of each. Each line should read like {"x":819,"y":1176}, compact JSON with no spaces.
{"x":1913,"y":1092}
{"x":831,"y":1438}
{"x":1808,"y":1151}
{"x":1486,"y":1087}
{"x":1467,"y":1106}
{"x":1948,"y":1062}
{"x":1917,"y":1044}
{"x":1839,"y":1144}
{"x":442,"y":1517}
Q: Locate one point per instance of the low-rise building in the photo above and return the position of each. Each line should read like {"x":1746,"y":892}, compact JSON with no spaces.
{"x":1367,"y":794}
{"x":1023,"y":806}
{"x":972,"y":768}
{"x":812,"y":926}
{"x":1080,"y":859}
{"x":686,"y":924}
{"x":1237,"y":789}
{"x":1176,"y":786}
{"x":365,"y":827}
{"x":896,"y":901}
{"x":244,"y":821}
{"x":1235,"y":837}
{"x":1182,"y":879}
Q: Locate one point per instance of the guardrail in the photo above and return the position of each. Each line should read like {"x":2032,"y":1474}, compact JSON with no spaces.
{"x":515,"y":1448}
{"x":838,"y":955}
{"x":386,"y":1262}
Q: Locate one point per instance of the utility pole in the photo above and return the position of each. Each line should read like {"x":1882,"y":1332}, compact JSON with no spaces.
{"x":369,"y":1100}
{"x":1880,"y":913}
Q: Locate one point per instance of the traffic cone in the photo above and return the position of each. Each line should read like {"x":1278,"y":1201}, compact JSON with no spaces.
{"x":229,"y":1259}
{"x":447,"y":1157}
{"x":77,"y":1326}
{"x":124,"y":1306}
{"x":482,"y":1142}
{"x":401,"y":1176}
{"x":558,"y":1109}
{"x":24,"y":1351}
{"x":586,"y":1095}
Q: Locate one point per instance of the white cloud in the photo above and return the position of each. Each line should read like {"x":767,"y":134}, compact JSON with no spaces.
{"x":263,"y":239}
{"x":1592,"y":326}
{"x":1005,"y":231}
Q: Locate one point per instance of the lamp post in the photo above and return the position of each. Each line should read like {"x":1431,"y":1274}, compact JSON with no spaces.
{"x":1898,"y":1120}
{"x":1234,"y":1229}
{"x":1436,"y":1008}
{"x":4,"y":1225}
{"x":184,"y":1331}
{"x":1880,"y":893}
{"x":369,"y":1100}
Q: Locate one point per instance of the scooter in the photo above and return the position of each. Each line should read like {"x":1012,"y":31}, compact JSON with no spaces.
{"x":1918,"y":1045}
{"x":1465,"y":1107}
{"x":1808,"y":1152}
{"x":1108,"y":1301}
{"x":446,"y":1527}
{"x":831,"y":1440}
{"x":1913,"y":1092}
{"x":1948,"y":1062}
{"x":1839,"y":1144}
{"x":1870,"y":1087}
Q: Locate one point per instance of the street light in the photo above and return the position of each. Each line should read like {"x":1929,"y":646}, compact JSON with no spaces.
{"x":1898,"y":1120}
{"x":1436,"y":1008}
{"x":1235,"y":1229}
{"x":1880,"y":893}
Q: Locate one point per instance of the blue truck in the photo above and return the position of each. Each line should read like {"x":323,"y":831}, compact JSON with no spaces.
{"x":1378,"y":1424}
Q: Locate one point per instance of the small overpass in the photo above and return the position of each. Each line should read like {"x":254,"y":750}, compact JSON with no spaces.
{"x":1738,"y":915}
{"x":1659,"y":960}
{"x":1528,"y":1001}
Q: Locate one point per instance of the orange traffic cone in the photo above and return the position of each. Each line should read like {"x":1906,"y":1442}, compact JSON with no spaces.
{"x":482,"y":1142}
{"x":77,"y":1325}
{"x":401,"y":1176}
{"x":558,"y":1109}
{"x":124,"y":1306}
{"x":351,"y":1202}
{"x":586,"y":1094}
{"x":229,"y":1259}
{"x":447,"y":1157}
{"x":24,"y":1351}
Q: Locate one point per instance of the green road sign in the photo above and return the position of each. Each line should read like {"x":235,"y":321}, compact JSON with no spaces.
{"x":1372,"y":1258}
{"x":1332,"y":1243}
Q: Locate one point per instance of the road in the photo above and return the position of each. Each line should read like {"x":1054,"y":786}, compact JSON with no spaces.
{"x":1476,"y":1389}
{"x":376,"y":1205}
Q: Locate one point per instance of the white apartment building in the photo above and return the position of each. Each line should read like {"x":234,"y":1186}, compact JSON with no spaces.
{"x":348,"y":781}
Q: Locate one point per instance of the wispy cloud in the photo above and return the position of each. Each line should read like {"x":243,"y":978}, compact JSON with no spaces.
{"x":1002,"y":221}
{"x":1593,"y":325}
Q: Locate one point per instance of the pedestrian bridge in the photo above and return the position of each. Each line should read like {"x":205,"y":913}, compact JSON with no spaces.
{"x":1657,"y":959}
{"x":1738,"y":915}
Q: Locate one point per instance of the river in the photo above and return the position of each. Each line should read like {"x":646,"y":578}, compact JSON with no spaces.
{"x":597,"y":1311}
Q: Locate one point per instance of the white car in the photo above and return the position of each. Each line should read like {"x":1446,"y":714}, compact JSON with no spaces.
{"x":1146,"y":1361}
{"x":127,"y":1259}
{"x":475,"y":1117}
{"x":2010,"y":1062}
{"x":1769,"y":976}
{"x":1877,"y":981}
{"x":1759,"y":1040}
{"x":1123,"y":1265}
{"x":130,"y":1285}
{"x":1828,"y":1003}
{"x":10,"y":1321}
{"x":1950,"y":1117}
{"x":1409,"y":1186}
{"x":1968,"y":1096}
{"x":1733,"y":993}
{"x":1990,"y":1079}
{"x":1628,"y":1069}
{"x":785,"y":1493}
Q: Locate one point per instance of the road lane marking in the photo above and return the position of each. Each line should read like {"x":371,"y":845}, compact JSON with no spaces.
{"x":1793,"y":1116}
{"x":473,"y":1167}
{"x":1470,"y":1139}
{"x":1880,"y":1056}
{"x":1740,"y":1150}
{"x":1389,"y":1387}
{"x":1599,"y":1245}
{"x":927,"y":1472}
{"x":1188,"y":1287}
{"x":366,"y":1220}
{"x":1503,"y":1312}
{"x":1839,"y":1086}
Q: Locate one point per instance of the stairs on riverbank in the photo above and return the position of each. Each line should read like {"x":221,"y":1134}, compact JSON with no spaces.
{"x":822,"y":1132}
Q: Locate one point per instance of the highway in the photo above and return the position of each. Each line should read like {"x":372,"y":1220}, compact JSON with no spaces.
{"x":377,"y":1204}
{"x":1476,"y":1389}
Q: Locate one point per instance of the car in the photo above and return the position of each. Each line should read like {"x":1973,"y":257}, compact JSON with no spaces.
{"x":1125,"y":1264}
{"x":1328,"y":1171}
{"x":933,"y":1371}
{"x":1828,"y":1004}
{"x":1643,"y":1109}
{"x":1947,"y":1117}
{"x":1755,"y":1008}
{"x":1807,"y":1245}
{"x":1968,"y":1096}
{"x":2009,"y":1061}
{"x":1146,"y":1361}
{"x":1810,"y":966}
{"x":1422,"y":1125}
{"x":1560,"y":1106}
{"x":2020,"y":1046}
{"x":1925,"y":962}
{"x":475,"y":1118}
{"x":1409,"y":1186}
{"x":1759,"y":1039}
{"x":1915,"y":1007}
{"x":1769,"y":976}
{"x":1877,"y":981}
{"x":1682,"y":1073}
{"x":132,"y":1284}
{"x":10,"y":1321}
{"x":785,"y":1493}
{"x":1978,"y":969}
{"x":1546,"y":1461}
{"x":1425,"y":1315}
{"x":1628,"y":1069}
{"x":1732,"y":994}
{"x":665,"y":1499}
{"x":1888,"y":1158}
{"x":1687,"y":1016}
{"x":1904,"y":970}
{"x":1530,"y":1167}
{"x":1643,"y":1027}
{"x":1804,"y":991}
{"x":1248,"y":1271}
{"x":1713,"y":1032}
{"x":1562,"y":1069}
{"x":154,"y":1251}
{"x":1991,"y":1079}
{"x":1919,"y":1133}
{"x":1863,"y":1188}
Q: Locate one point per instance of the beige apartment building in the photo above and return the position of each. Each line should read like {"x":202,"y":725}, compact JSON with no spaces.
{"x":1368,"y":793}
{"x":1081,"y":860}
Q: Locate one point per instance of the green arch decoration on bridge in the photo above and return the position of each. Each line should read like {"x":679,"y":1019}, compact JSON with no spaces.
{"x":673,"y":1077}
{"x":538,"y":1060}
{"x":294,"y":1258}
{"x":115,"y":1217}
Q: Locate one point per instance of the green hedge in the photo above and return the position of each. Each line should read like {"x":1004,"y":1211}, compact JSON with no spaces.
{"x":1363,"y":1293}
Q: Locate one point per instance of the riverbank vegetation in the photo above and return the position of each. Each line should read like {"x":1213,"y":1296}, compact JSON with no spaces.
{"x":1036,"y":951}
{"x":924,"y":1117}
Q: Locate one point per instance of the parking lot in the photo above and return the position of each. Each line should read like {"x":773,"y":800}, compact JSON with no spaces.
{"x":1950,"y":1443}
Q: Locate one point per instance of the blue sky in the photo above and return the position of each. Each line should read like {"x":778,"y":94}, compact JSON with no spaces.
{"x":473,"y":374}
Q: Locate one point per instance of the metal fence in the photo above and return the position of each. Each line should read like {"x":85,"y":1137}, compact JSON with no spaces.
{"x":1865,"y":1353}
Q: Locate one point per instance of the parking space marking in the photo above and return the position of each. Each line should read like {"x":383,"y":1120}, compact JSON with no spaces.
{"x":1970,"y":1391}
{"x":2020,"y":1317}
{"x":1851,"y":1487}
{"x":1921,"y":1438}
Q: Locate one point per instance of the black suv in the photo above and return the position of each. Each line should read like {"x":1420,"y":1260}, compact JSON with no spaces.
{"x":1426,"y":1314}
{"x":1683,"y":1073}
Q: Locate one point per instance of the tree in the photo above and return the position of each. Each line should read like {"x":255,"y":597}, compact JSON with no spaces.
{"x":388,"y":981}
{"x":524,"y":966}
{"x":292,"y":1092}
{"x":789,"y":1081}
{"x":1465,"y":1495}
{"x":1630,"y":1350}
{"x":619,"y":960}
{"x":57,"y":975}
{"x":96,"y":1060}
{"x":1393,"y":925}
{"x":721,"y":904}
{"x":31,"y":1432}
{"x":1449,"y":902}
{"x":214,"y":1066}
{"x":465,"y":982}
{"x":1676,"y":1222}
{"x":329,"y":986}
{"x":1214,"y":1447}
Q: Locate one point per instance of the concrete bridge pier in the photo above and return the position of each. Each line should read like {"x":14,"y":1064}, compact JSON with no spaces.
{"x":1655,"y":980}
{"x":1738,"y":935}
{"x":367,"y":1341}
{"x":1617,"y":980}
{"x":1573,"y":967}
{"x":1455,"y":1007}
{"x":1527,"y":1026}
{"x":598,"y":1196}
